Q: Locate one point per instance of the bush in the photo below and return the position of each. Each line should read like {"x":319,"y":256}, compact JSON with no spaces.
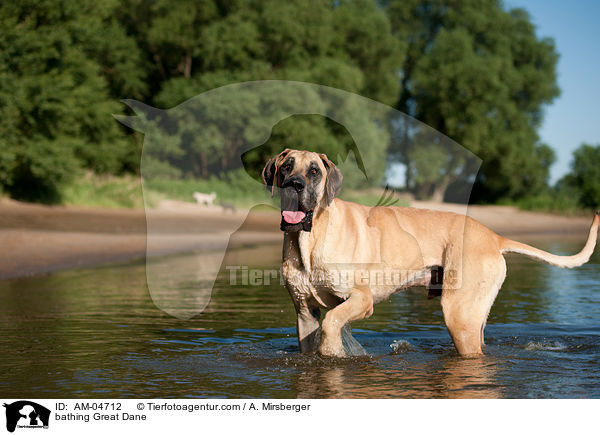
{"x":585,"y":175}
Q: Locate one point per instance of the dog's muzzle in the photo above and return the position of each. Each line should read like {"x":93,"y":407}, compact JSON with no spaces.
{"x":294,"y":221}
{"x":293,"y":218}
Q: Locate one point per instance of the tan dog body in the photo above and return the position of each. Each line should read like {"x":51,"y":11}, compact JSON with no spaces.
{"x":356,"y":256}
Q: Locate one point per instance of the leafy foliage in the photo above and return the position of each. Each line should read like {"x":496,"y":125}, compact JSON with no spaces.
{"x":471,"y":69}
{"x":583,"y":182}
{"x":54,"y":95}
{"x":480,"y":75}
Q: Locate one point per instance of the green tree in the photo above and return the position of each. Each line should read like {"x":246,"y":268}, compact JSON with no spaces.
{"x":56,"y":74}
{"x":584,"y":178}
{"x":347,"y":45}
{"x":480,"y":75}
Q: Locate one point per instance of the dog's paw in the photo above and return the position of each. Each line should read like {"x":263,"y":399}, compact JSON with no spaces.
{"x":332,"y":351}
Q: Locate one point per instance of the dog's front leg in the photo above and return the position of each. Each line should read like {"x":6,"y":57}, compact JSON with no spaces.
{"x":309,"y":331}
{"x":358,"y":306}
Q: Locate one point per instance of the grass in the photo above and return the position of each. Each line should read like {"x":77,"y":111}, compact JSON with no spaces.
{"x":243,"y":194}
{"x":234,"y":187}
{"x":237,"y":189}
{"x":550,"y":202}
{"x":103,"y":191}
{"x":126,"y":191}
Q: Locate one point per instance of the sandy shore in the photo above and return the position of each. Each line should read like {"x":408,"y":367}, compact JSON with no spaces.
{"x":37,"y":239}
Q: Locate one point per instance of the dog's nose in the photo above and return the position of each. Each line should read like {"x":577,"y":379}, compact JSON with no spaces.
{"x":297,"y":183}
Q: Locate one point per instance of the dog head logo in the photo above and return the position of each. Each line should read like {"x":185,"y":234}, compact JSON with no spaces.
{"x":213,"y":131}
{"x":26,"y":414}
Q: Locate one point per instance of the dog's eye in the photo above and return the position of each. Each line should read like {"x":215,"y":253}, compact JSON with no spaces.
{"x":313,"y":171}
{"x":287,"y":167}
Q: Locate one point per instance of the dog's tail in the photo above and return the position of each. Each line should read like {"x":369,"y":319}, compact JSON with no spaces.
{"x":507,"y":245}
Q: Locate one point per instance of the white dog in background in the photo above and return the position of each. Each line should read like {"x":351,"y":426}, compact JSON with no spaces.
{"x":205,"y":198}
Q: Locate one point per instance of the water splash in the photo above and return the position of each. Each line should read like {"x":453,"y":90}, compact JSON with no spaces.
{"x":552,"y":345}
{"x":400,"y":346}
{"x":351,"y":346}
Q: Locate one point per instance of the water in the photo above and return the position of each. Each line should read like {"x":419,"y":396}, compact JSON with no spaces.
{"x":96,"y":333}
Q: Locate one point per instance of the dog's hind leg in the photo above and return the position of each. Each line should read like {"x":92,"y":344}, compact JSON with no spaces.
{"x":466,"y":307}
{"x":358,"y":306}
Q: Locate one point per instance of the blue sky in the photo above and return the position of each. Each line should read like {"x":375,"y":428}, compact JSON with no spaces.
{"x":574,"y":117}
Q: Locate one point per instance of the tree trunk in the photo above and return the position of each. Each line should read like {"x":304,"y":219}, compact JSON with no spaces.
{"x":204,"y":166}
{"x":187,"y":65}
{"x":439,"y":190}
{"x":224,"y":162}
{"x":408,"y":176}
{"x":422,"y":191}
{"x":161,"y":68}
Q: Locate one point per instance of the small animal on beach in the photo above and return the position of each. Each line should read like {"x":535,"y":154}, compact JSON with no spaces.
{"x":227,"y":206}
{"x":344,"y":257}
{"x":205,"y":198}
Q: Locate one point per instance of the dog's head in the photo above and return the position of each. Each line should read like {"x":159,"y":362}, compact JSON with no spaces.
{"x":306,"y":181}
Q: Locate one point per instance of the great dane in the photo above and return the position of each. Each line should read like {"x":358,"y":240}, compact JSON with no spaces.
{"x":345,"y":257}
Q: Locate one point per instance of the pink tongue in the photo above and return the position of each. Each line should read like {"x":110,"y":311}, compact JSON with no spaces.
{"x":293,"y":217}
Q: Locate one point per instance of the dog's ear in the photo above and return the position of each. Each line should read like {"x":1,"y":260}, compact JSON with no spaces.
{"x":333,"y":184}
{"x":269,"y":172}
